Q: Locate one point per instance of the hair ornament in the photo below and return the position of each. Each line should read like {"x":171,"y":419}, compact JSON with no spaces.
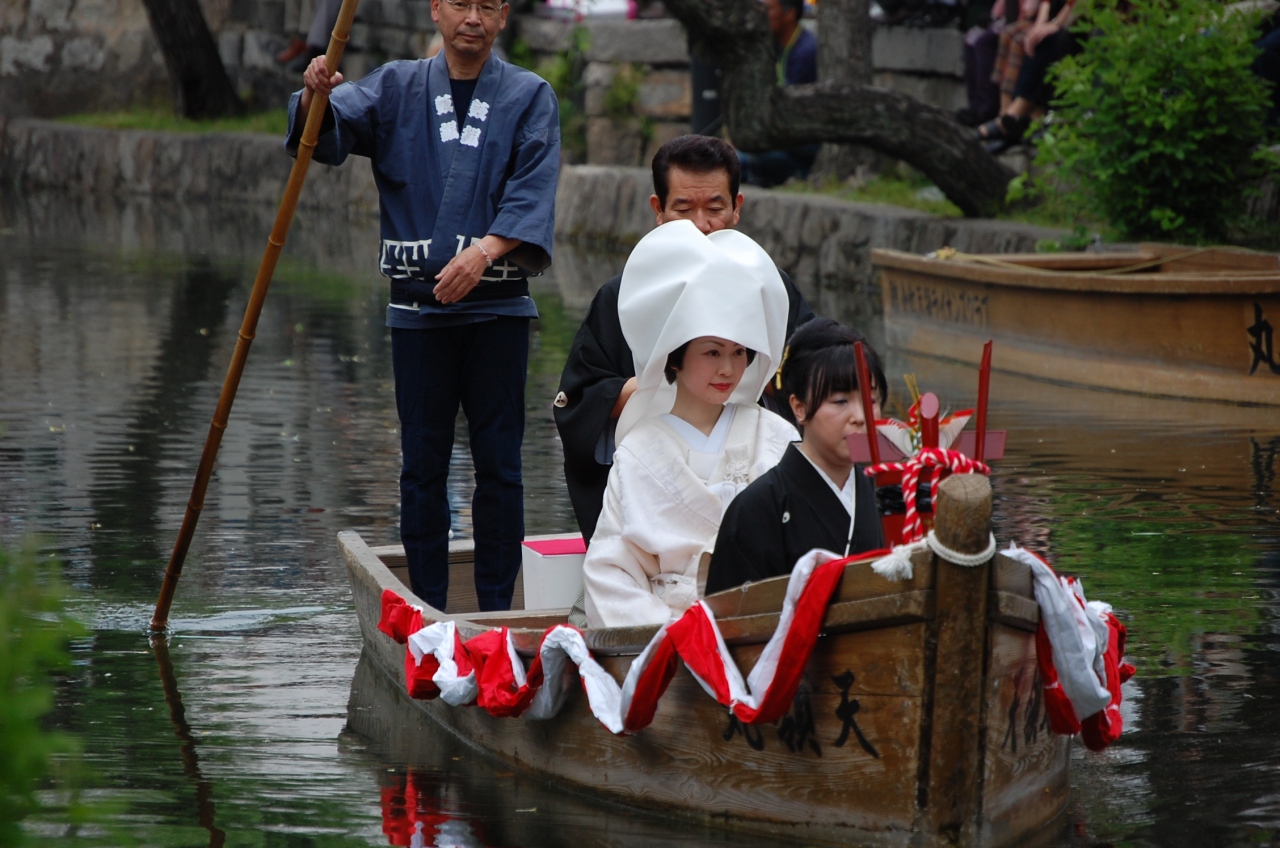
{"x":777,"y":377}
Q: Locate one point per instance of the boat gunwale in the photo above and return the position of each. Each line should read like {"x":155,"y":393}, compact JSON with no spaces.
{"x":746,"y":615}
{"x":1190,"y":283}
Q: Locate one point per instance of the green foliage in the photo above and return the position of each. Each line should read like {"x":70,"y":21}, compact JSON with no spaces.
{"x":623,"y":93}
{"x":34,"y":631}
{"x":521,"y":54}
{"x":1159,"y":120}
{"x":901,"y":186}
{"x":1079,"y":239}
{"x":273,"y":122}
{"x":564,"y":71}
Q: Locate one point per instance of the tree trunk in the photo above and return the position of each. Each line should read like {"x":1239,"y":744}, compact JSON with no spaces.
{"x":761,"y":116}
{"x":201,"y":88}
{"x":844,"y":56}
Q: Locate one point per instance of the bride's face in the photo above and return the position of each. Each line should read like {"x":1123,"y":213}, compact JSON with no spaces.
{"x":712,"y":369}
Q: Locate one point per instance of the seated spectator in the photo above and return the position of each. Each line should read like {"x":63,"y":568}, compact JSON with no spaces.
{"x":797,"y":65}
{"x":1009,"y":53}
{"x":980,"y":51}
{"x":1267,"y":64}
{"x":1044,"y":43}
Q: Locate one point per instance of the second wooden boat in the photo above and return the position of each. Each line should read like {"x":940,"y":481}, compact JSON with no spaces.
{"x":1165,"y":320}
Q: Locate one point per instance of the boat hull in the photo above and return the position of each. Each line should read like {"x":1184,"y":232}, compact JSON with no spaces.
{"x":1193,"y":332}
{"x":846,"y":765}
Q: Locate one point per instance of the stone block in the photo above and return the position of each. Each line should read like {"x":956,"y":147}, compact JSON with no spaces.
{"x":362,"y":36}
{"x":229,"y":46}
{"x":612,"y":142}
{"x":84,"y":53}
{"x":394,"y":15}
{"x":418,"y":16}
{"x":545,"y":35}
{"x":945,"y":92}
{"x":662,"y":132}
{"x":268,"y":15}
{"x":654,"y":42}
{"x":257,"y":50}
{"x":18,"y":54}
{"x":666,"y":94}
{"x":369,"y":12}
{"x":51,"y":15}
{"x":357,"y":65}
{"x":395,"y":41}
{"x":242,"y":10}
{"x":419,"y":41}
{"x":597,"y":79}
{"x":920,"y":51}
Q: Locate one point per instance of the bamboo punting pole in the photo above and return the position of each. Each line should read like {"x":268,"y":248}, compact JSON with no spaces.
{"x":248,"y":328}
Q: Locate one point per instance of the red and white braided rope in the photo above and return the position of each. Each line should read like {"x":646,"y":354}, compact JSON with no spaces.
{"x":926,"y":461}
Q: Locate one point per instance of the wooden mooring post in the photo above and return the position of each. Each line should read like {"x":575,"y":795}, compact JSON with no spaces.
{"x":952,"y":797}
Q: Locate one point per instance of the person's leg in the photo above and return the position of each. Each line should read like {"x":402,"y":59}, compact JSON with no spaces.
{"x":426,"y":367}
{"x":984,"y":97}
{"x":322,"y":23}
{"x":1033,"y":83}
{"x":495,"y":365}
{"x":1267,"y":66}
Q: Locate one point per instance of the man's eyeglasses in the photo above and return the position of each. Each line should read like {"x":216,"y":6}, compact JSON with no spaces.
{"x":486,"y":10}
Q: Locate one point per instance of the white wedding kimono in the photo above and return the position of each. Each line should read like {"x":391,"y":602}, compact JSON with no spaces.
{"x":661,"y":515}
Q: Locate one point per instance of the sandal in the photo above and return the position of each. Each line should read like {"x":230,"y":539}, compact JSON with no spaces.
{"x":1006,"y":128}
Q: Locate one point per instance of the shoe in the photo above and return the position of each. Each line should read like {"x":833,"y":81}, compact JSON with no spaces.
{"x":295,"y":49}
{"x":1005,"y":128}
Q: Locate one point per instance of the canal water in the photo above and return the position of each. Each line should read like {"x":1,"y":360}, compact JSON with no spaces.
{"x":116,"y":325}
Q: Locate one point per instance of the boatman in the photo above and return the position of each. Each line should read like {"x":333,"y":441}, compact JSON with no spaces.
{"x":695,"y":178}
{"x":465,"y":151}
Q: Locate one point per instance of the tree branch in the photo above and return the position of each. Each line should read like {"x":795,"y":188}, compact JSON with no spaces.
{"x":761,"y":116}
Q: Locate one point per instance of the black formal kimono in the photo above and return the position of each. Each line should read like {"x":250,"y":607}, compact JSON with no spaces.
{"x":783,"y":515}
{"x":599,"y":363}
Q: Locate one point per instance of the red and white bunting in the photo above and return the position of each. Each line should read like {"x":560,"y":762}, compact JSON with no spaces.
{"x":1080,"y":649}
{"x":1080,"y":652}
{"x":486,"y":671}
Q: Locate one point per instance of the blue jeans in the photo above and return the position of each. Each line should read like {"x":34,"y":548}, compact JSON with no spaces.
{"x":481,"y":366}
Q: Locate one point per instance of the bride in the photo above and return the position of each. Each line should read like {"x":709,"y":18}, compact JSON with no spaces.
{"x":704,"y":316}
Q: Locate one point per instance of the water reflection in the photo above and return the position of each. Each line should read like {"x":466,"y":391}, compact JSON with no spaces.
{"x":116,"y":321}
{"x":190,"y":757}
{"x":436,"y":789}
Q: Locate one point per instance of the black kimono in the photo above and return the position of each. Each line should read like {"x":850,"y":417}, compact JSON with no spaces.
{"x":783,"y":515}
{"x":599,"y":363}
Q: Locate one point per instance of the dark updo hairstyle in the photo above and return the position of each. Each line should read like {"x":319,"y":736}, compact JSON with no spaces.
{"x":820,"y":362}
{"x":675,"y":359}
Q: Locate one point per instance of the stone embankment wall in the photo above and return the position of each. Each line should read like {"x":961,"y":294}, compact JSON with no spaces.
{"x":601,"y":212}
{"x":64,"y":56}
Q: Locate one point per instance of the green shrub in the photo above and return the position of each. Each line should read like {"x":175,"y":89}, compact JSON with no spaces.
{"x":564,"y":71}
{"x":1159,"y":121}
{"x":623,"y":94}
{"x":33,"y":642}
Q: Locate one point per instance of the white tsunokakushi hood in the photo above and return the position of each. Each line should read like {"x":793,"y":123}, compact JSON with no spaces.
{"x":679,"y":285}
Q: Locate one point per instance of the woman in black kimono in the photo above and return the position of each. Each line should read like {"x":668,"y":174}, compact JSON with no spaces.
{"x":814,"y":497}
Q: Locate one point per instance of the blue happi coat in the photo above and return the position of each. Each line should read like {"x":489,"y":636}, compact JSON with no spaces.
{"x":442,"y":188}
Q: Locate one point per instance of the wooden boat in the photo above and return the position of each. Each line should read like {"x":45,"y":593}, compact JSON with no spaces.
{"x":1165,"y":320}
{"x":918,"y":722}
